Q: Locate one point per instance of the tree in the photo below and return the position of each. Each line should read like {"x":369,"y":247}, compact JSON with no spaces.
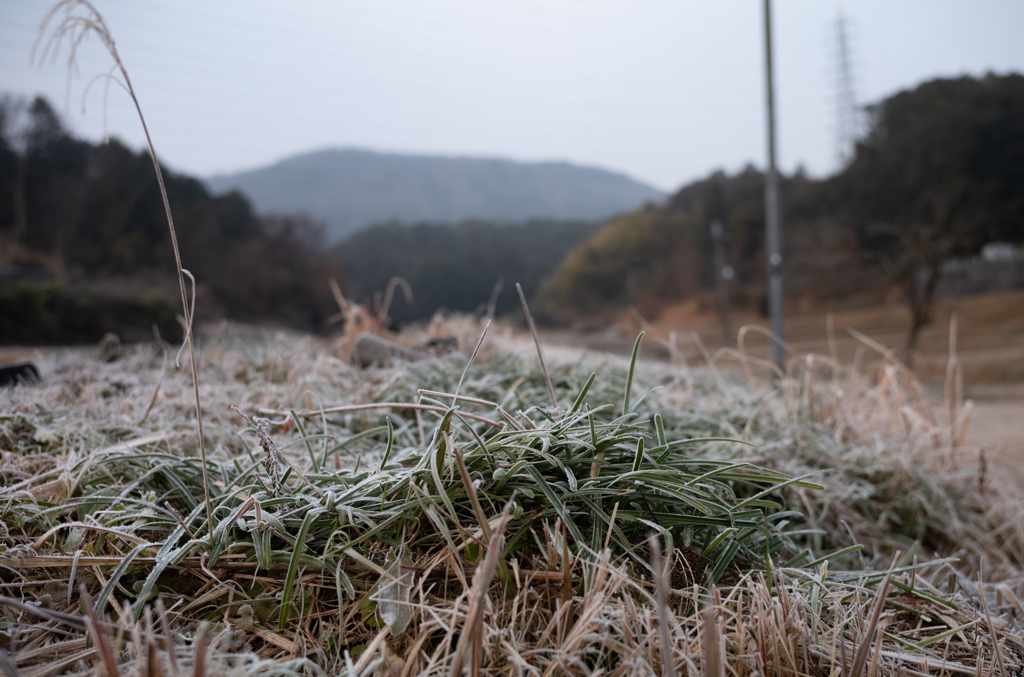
{"x":98,"y":210}
{"x":939,"y":174}
{"x":455,"y":266}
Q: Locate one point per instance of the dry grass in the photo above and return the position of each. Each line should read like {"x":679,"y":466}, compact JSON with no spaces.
{"x":86,"y":485}
{"x":991,"y":335}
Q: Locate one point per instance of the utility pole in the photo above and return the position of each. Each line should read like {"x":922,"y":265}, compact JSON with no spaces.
{"x":772,"y":206}
{"x":723,"y":274}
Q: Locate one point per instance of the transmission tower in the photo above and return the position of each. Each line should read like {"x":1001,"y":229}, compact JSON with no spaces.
{"x":848,"y":116}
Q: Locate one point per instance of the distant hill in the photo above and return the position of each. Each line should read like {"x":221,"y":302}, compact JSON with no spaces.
{"x":350,"y":189}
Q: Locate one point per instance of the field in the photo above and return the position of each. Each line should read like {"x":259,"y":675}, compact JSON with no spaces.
{"x":989,"y":349}
{"x":989,"y":341}
{"x":833,"y":526}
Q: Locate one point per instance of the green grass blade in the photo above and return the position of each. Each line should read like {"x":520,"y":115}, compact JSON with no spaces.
{"x":545,"y":487}
{"x":355,"y":438}
{"x":305,"y":440}
{"x":115,"y":577}
{"x":391,"y":441}
{"x":583,"y":393}
{"x":629,"y":376}
{"x":293,"y":566}
{"x":723,"y":562}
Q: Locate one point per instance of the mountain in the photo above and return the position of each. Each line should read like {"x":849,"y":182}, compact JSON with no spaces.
{"x":349,"y":189}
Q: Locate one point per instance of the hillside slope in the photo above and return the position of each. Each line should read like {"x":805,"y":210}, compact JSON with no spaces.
{"x":455,"y":266}
{"x":349,"y":189}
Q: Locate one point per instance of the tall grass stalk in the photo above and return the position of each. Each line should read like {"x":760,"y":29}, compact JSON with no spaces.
{"x":536,"y":341}
{"x":74,"y":28}
{"x":659,"y":566}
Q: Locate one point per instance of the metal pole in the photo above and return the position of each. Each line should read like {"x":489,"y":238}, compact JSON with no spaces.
{"x":772,"y":206}
{"x":723,"y":274}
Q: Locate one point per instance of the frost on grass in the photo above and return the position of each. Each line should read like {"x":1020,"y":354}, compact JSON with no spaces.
{"x":782,"y":509}
{"x":393,"y":596}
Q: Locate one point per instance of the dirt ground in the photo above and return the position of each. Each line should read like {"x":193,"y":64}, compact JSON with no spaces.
{"x":997,"y":424}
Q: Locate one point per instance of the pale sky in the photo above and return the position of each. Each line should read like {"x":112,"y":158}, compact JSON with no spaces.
{"x":664,"y":91}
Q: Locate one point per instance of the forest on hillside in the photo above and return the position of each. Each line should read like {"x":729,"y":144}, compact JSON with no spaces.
{"x":83,"y":235}
{"x":939,"y":174}
{"x":456,"y":267}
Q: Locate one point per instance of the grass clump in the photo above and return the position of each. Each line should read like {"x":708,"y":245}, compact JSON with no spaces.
{"x":505,"y":534}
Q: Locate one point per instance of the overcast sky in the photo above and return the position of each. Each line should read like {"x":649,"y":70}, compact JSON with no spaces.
{"x":665,"y":91}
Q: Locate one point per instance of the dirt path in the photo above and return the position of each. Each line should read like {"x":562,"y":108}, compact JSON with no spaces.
{"x":997,"y":424}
